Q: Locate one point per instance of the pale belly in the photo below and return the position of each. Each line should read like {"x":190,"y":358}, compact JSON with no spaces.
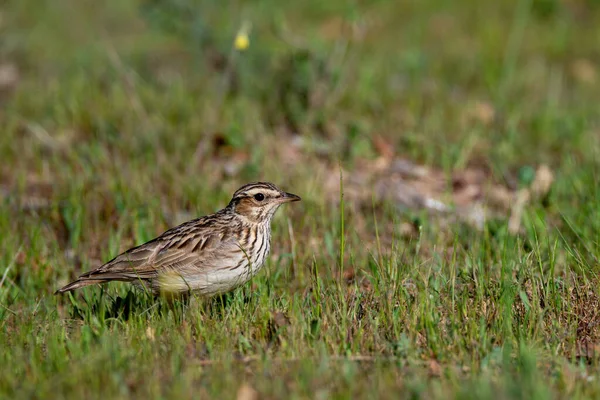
{"x":213,"y":280}
{"x":206,"y":284}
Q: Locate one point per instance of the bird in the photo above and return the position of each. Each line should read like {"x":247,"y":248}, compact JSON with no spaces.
{"x":209,"y":255}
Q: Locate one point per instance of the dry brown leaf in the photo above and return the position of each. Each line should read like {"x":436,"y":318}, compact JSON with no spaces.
{"x":516,"y":215}
{"x":247,"y":392}
{"x":584,"y":71}
{"x":20,"y":258}
{"x":9,"y":76}
{"x":542,"y":183}
{"x":467,"y":195}
{"x":150,"y":333}
{"x":500,"y":197}
{"x":383,"y":147}
{"x":280,"y":319}
{"x":434,"y":368}
{"x":484,"y":112}
{"x":408,"y":231}
{"x":349,"y":275}
{"x":334,"y":28}
{"x":481,"y":112}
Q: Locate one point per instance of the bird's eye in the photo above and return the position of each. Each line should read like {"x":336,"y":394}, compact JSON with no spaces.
{"x":259,"y":197}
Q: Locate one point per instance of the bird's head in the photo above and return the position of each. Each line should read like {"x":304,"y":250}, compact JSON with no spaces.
{"x":258,"y":201}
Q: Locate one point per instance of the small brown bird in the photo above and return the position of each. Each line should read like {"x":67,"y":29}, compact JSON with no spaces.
{"x":208,"y":255}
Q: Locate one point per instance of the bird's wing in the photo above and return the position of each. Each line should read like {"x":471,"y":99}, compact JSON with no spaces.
{"x":175,"y":250}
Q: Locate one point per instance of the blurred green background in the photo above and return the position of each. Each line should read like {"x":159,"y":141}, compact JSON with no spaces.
{"x":120,"y":119}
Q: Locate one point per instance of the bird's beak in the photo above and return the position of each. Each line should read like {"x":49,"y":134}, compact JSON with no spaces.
{"x":288,"y":197}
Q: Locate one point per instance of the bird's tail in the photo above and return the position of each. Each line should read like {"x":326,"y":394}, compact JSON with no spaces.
{"x":79,"y":283}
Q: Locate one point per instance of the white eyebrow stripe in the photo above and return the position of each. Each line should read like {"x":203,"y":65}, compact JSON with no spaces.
{"x":265,"y":191}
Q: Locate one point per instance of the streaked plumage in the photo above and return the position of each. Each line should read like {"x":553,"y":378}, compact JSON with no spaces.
{"x":208,"y":255}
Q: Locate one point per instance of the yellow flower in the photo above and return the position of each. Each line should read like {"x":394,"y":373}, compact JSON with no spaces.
{"x":241,"y":41}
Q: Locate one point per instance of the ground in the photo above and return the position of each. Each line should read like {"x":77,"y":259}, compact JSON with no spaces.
{"x":446,"y":153}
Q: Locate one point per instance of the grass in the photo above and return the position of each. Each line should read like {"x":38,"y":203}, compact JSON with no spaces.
{"x":128,"y":118}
